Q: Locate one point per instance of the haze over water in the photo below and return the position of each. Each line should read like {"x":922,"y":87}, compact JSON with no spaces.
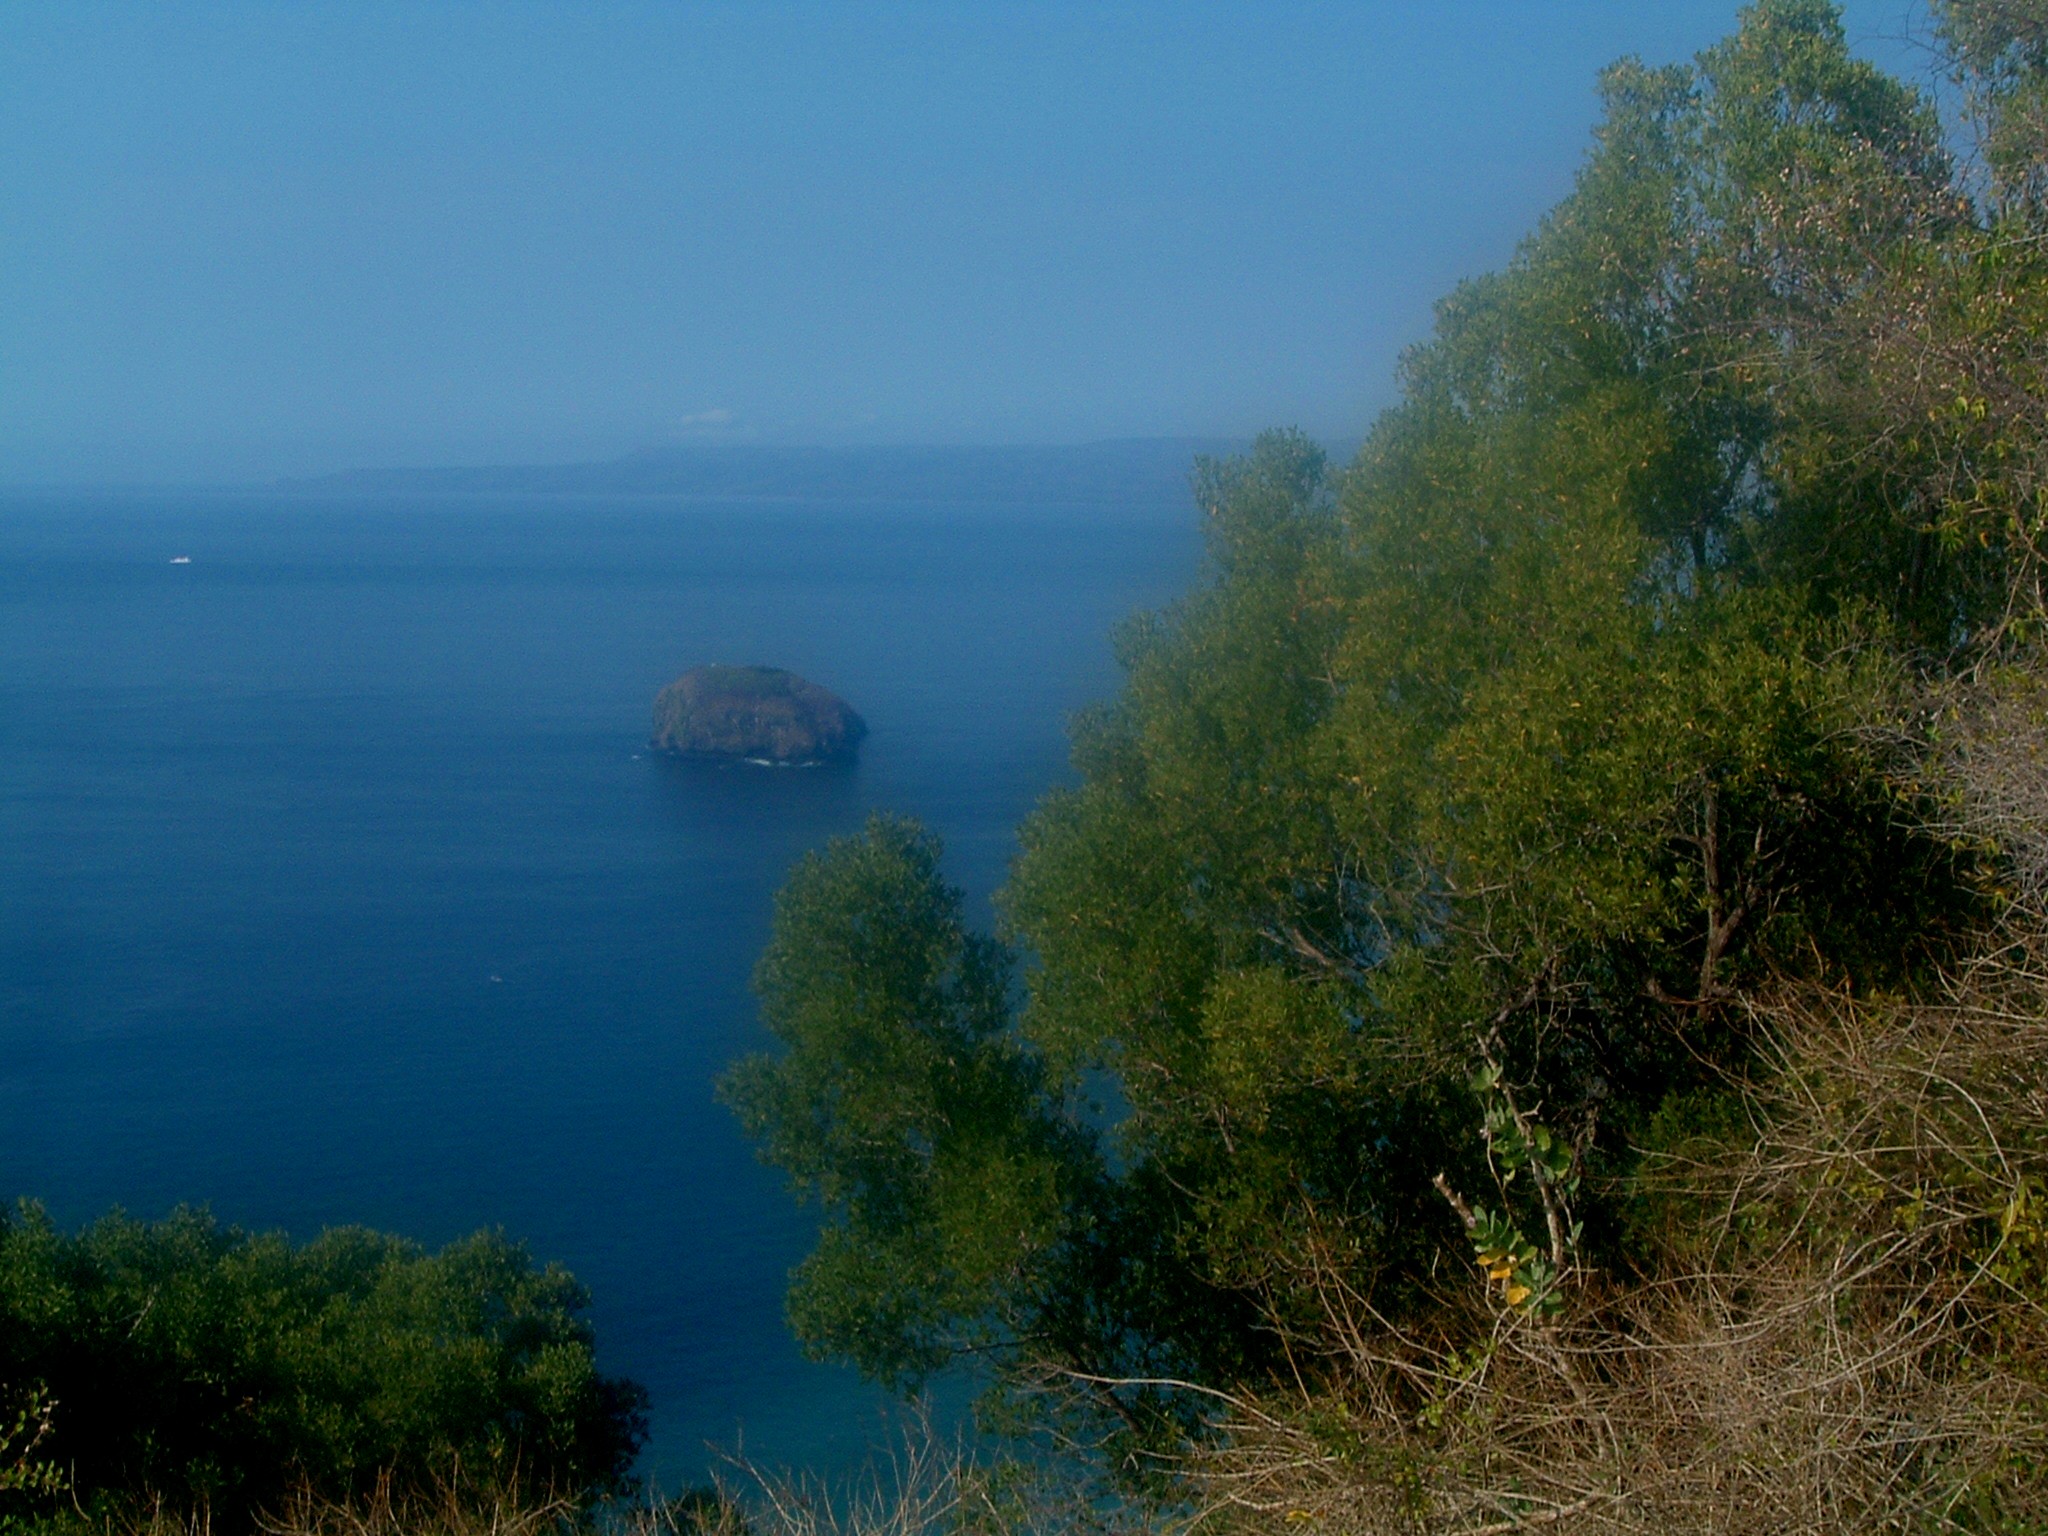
{"x":340,"y":888}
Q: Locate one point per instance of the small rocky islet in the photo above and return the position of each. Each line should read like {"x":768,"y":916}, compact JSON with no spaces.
{"x":754,"y":714}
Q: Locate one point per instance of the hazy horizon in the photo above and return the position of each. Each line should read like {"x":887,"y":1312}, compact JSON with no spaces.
{"x":247,"y":243}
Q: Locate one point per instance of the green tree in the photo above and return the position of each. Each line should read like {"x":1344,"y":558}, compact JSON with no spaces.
{"x":218,"y":1370}
{"x":903,"y":1105}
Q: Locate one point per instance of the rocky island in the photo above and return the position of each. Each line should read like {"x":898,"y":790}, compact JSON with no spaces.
{"x":754,"y":714}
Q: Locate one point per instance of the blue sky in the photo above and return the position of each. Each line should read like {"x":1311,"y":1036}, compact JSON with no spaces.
{"x":247,"y":240}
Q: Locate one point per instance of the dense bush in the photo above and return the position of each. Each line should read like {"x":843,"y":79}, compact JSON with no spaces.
{"x":218,"y":1370}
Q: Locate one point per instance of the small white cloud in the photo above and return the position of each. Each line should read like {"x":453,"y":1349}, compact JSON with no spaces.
{"x":721,"y":417}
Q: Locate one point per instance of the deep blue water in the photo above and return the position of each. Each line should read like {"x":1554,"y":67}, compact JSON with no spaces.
{"x":336,"y":886}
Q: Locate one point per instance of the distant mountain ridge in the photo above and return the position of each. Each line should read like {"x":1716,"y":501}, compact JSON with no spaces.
{"x":1124,"y":470}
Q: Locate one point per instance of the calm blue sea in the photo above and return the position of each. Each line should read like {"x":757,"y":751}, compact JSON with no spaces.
{"x":336,"y":886}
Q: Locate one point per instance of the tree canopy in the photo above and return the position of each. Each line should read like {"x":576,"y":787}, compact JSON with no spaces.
{"x":223,"y":1372}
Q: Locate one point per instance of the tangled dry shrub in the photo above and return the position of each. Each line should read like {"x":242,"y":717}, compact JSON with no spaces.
{"x":1986,"y":760}
{"x":456,"y":1508}
{"x":924,"y":1483}
{"x":458,"y":1504}
{"x":1848,"y":1334}
{"x":922,"y":1486}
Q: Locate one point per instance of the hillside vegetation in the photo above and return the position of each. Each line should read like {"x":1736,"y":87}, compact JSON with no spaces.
{"x":1533,"y":1013}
